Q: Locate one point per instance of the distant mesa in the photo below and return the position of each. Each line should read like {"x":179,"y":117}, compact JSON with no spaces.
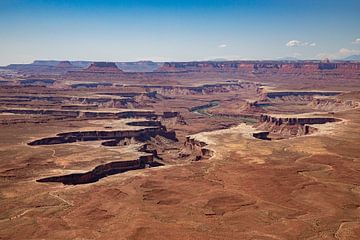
{"x":106,"y":67}
{"x":64,"y":64}
{"x":268,"y":68}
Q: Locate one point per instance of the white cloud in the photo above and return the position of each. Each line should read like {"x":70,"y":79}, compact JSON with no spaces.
{"x":347,"y":52}
{"x":222,"y":46}
{"x":298,"y":43}
{"x":293,"y":43}
{"x":356,"y":41}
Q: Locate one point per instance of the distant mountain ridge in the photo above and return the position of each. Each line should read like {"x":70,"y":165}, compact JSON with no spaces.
{"x":355,"y":58}
{"x":138,"y":66}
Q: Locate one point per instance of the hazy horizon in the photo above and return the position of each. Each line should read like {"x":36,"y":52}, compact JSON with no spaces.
{"x":150,"y":60}
{"x":162,"y":31}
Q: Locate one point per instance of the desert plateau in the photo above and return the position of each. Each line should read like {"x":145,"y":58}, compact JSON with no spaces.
{"x":180,"y":120}
{"x":187,"y":151}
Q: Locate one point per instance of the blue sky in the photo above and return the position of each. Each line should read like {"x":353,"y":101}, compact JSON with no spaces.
{"x":131,"y":30}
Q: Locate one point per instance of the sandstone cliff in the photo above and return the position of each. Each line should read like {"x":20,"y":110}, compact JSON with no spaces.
{"x":103,"y":67}
{"x":291,"y":126}
{"x":315,"y":69}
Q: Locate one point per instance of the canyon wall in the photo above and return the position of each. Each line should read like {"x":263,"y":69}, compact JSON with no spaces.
{"x":197,"y":149}
{"x":203,"y":89}
{"x":141,"y":134}
{"x":289,"y":126}
{"x":264,"y":68}
{"x":335,"y":104}
{"x":260,"y":66}
{"x":101,"y":171}
{"x":103,"y":67}
{"x":109,"y":71}
{"x":86,"y":114}
{"x":295,"y":120}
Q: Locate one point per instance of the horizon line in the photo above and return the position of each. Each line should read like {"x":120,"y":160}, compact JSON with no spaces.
{"x":180,"y":61}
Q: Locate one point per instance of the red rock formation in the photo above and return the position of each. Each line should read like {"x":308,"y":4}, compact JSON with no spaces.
{"x":101,"y":171}
{"x":261,"y":135}
{"x":285,"y":68}
{"x":333,"y":104}
{"x":251,"y":108}
{"x":197,"y":149}
{"x":103,"y":67}
{"x":291,"y":126}
{"x":203,"y":89}
{"x":70,"y":137}
{"x":295,"y":120}
{"x":64,"y":64}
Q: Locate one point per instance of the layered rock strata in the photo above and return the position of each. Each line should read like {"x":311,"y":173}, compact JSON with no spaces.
{"x":291,"y":126}
{"x":265,"y":67}
{"x":327,"y":104}
{"x":203,"y":89}
{"x":71,"y":137}
{"x":81,"y":113}
{"x":196,"y":148}
{"x":111,"y":138}
{"x":103,"y":170}
{"x":103,"y":67}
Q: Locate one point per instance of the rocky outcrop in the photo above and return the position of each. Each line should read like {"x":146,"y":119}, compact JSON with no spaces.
{"x":261,"y":135}
{"x":145,"y":123}
{"x":37,"y":82}
{"x":79,"y":107}
{"x":149,"y":136}
{"x":53,"y":66}
{"x":141,"y":134}
{"x":52,"y":112}
{"x":33,"y":120}
{"x":65,"y":64}
{"x":43,"y":67}
{"x":295,"y":120}
{"x":4,"y":82}
{"x":211,"y":104}
{"x":258,"y":66}
{"x":279,"y":94}
{"x":333,"y":104}
{"x":196,"y":149}
{"x":251,"y":108}
{"x":136,"y":99}
{"x":314,"y":69}
{"x":203,"y":89}
{"x":296,"y":96}
{"x":86,"y":114}
{"x":173,"y":118}
{"x":103,"y":67}
{"x":291,"y":126}
{"x":137,"y":114}
{"x":105,"y":101}
{"x":91,"y":85}
{"x":140,"y":66}
{"x":150,"y":94}
{"x":170,"y":114}
{"x":102,"y":171}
